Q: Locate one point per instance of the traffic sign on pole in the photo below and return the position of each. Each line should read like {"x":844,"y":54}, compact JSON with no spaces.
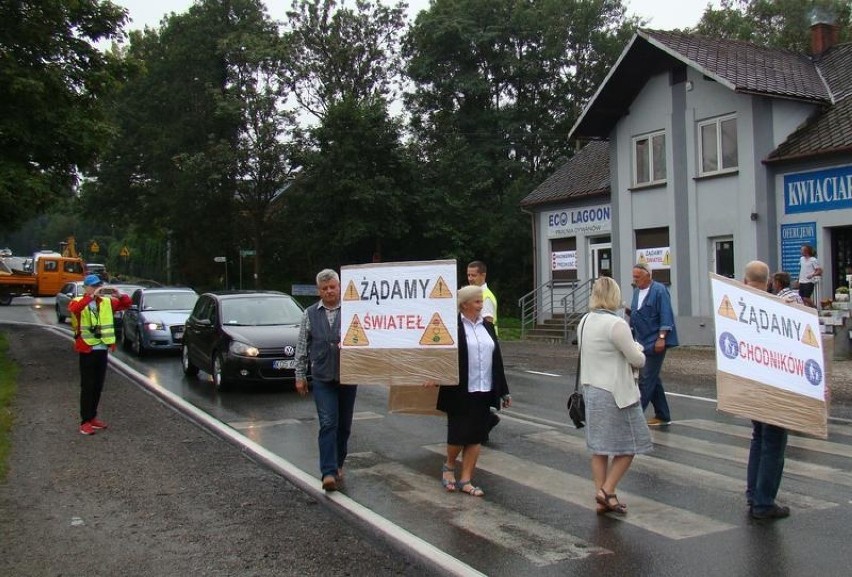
{"x":220,"y":259}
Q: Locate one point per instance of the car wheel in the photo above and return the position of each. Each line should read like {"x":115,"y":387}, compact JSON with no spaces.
{"x":59,"y":317}
{"x":218,"y":377}
{"x":5,"y":299}
{"x":138,"y":348}
{"x":189,"y":369}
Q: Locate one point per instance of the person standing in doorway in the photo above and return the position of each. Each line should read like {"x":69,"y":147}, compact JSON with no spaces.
{"x":768,"y":442}
{"x":653,"y":325}
{"x":476,"y":274}
{"x":319,"y":345}
{"x":809,"y":273}
{"x":94,"y":336}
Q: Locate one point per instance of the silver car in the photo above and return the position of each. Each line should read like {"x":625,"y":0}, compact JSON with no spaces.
{"x":72,"y":290}
{"x":156,"y":319}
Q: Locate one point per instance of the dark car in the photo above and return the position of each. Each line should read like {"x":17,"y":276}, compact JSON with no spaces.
{"x":243,"y":336}
{"x":156,"y":317}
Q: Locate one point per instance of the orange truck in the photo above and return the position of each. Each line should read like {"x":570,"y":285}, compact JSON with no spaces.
{"x":49,"y":273}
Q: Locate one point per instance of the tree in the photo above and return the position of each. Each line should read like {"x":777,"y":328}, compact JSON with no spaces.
{"x":52,"y":77}
{"x":340,"y":54}
{"x":497,"y":86}
{"x":776,"y":23}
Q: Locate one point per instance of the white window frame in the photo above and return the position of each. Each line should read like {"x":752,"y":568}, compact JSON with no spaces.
{"x":650,"y":140}
{"x":717,"y":122}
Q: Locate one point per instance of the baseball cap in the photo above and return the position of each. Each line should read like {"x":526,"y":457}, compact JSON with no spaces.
{"x":92,"y":280}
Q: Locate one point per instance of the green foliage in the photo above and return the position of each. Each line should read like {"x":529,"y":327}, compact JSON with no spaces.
{"x":51,"y":79}
{"x":776,"y":23}
{"x":8,"y":387}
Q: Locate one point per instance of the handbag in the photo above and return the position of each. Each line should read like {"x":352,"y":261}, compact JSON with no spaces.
{"x":576,"y":403}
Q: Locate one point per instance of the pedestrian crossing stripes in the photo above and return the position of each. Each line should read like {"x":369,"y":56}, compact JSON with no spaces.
{"x":537,"y":542}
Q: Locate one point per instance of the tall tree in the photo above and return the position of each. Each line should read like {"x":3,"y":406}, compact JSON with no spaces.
{"x":776,"y":23}
{"x":52,"y":76}
{"x":497,"y":86}
{"x":341,"y":53}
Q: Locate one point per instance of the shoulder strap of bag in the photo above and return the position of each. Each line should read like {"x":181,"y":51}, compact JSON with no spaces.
{"x":579,"y":350}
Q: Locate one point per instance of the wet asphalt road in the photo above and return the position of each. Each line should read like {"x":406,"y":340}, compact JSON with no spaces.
{"x":687,"y":512}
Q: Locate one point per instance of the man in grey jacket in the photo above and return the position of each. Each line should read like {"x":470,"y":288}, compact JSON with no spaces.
{"x":319,"y":344}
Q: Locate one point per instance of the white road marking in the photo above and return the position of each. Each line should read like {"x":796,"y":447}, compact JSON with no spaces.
{"x":542,"y":373}
{"x":647,"y":514}
{"x":687,"y":475}
{"x":791,"y":466}
{"x":817,"y":445}
{"x":540,"y":544}
{"x":243,"y":425}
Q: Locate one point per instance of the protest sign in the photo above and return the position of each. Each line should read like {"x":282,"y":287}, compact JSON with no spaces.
{"x":769,"y":358}
{"x":399,"y":323}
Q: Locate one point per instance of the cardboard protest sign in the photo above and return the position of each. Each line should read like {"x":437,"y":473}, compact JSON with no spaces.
{"x":399,"y":323}
{"x":769,"y":359}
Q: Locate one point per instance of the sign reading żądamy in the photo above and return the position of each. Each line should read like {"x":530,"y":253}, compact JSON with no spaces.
{"x":399,"y":323}
{"x":769,"y":358}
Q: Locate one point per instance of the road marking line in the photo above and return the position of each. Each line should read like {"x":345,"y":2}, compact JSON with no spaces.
{"x":242,"y":425}
{"x":659,"y":518}
{"x":817,"y":445}
{"x":537,"y":542}
{"x":542,"y":373}
{"x":690,"y":476}
{"x":791,"y":466}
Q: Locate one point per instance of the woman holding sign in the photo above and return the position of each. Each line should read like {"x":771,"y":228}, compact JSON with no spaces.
{"x":482,"y":385}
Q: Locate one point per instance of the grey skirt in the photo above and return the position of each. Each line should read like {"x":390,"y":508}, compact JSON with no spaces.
{"x":613,"y":431}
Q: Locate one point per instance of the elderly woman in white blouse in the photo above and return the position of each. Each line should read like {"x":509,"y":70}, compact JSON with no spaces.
{"x":616,"y":429}
{"x":482,"y":385}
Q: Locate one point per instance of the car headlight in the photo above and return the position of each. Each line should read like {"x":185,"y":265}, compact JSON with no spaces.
{"x":154,"y":326}
{"x":243,"y":349}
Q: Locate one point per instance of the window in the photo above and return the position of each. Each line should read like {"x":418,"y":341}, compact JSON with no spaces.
{"x":656,"y":238}
{"x":718,"y":145}
{"x":563,"y":246}
{"x":649,"y":159}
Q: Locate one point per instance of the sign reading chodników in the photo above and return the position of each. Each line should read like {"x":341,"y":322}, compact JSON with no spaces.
{"x":399,"y":323}
{"x":769,"y":359}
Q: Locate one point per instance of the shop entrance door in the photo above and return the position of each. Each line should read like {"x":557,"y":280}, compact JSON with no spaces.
{"x":840,"y":257}
{"x":601,"y":258}
{"x":723,"y":257}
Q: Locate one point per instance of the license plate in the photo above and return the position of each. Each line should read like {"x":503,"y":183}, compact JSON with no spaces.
{"x":288,"y":364}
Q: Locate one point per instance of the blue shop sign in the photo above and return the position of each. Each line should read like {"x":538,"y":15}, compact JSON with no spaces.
{"x":793,"y":236}
{"x":818,"y":191}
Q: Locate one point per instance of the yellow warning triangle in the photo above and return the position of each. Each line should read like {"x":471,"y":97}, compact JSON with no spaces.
{"x":436,"y":333}
{"x":351,"y":293}
{"x":667,"y":260}
{"x":726,"y":309}
{"x":441,"y":290}
{"x":355,"y":335}
{"x":642,"y":258}
{"x":809,"y":337}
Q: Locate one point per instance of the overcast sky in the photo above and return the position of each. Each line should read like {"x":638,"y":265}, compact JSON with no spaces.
{"x":662,"y":14}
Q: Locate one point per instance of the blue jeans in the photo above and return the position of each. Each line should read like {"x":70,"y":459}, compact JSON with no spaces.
{"x":335,"y":406}
{"x":651,"y":386}
{"x":765,"y":464}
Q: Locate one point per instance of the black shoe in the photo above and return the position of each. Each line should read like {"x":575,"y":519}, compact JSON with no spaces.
{"x":773,"y":512}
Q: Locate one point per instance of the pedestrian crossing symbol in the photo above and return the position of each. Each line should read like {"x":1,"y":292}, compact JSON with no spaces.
{"x":441,"y":290}
{"x":351,"y":293}
{"x":355,"y":335}
{"x":726,"y":309}
{"x":436,"y":333}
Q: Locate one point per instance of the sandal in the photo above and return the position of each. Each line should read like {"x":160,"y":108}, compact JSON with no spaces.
{"x":607,"y":501}
{"x":472,"y":491}
{"x":448,"y":484}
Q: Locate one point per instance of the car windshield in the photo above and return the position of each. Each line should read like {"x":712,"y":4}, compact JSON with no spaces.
{"x":261,"y":311}
{"x":166,"y":301}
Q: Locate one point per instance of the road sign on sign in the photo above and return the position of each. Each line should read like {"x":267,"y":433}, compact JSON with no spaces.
{"x":94,"y":248}
{"x":247,"y":253}
{"x":125,"y":252}
{"x":220,"y":259}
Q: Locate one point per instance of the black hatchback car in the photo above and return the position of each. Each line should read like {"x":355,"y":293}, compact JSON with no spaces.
{"x":242,"y":336}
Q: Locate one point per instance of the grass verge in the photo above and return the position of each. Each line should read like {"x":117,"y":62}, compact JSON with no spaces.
{"x":8,"y":374}
{"x":510,"y":328}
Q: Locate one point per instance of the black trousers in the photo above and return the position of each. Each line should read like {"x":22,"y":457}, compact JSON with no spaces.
{"x":93,"y":366}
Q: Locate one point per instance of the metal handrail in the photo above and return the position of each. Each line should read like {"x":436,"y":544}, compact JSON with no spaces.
{"x":541,"y":302}
{"x":575,"y":304}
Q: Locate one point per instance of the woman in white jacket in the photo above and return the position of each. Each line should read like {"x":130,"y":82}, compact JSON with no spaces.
{"x":616,"y":430}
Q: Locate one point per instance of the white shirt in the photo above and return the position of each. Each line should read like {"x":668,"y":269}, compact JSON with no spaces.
{"x":480,"y":355}
{"x":642,"y":294}
{"x":488,"y":306}
{"x":807,"y":269}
